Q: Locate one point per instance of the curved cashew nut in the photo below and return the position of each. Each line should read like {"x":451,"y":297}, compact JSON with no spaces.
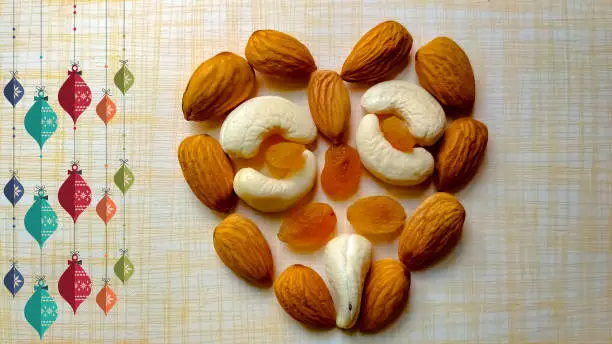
{"x":272,"y":195}
{"x":249,"y":124}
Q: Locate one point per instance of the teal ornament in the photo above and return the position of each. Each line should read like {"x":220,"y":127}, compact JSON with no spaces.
{"x":40,"y":121}
{"x":124,"y":178}
{"x":40,"y":220}
{"x":41,"y":310}
{"x":124,"y":268}
{"x":124,"y":79}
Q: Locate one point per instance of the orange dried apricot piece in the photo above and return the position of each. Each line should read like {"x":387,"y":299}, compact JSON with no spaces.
{"x":284,"y":157}
{"x":397,"y":133}
{"x":342,"y":172}
{"x":308,"y":227}
{"x":377,"y":216}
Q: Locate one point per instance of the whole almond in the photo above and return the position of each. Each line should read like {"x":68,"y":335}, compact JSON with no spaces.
{"x":277,"y":53}
{"x":460,"y":153}
{"x":304,"y":296}
{"x":445,"y":71}
{"x":212,"y":92}
{"x":385,"y":294}
{"x":380,"y":54}
{"x":432,"y":231}
{"x":242,"y":248}
{"x":330,"y":104}
{"x":208,"y":172}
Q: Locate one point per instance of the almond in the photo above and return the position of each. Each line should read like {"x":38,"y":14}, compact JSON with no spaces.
{"x":242,"y":248}
{"x":380,"y":54}
{"x":208,"y":172}
{"x":305,"y":297}
{"x":460,"y":153}
{"x":212,"y":92}
{"x":445,"y":71}
{"x":385,"y":294}
{"x":330,"y":104}
{"x":432,"y":231}
{"x":277,"y":53}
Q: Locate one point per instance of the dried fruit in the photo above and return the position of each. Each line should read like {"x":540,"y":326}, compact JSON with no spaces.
{"x":242,"y":248}
{"x":385,"y":294}
{"x":445,"y":71}
{"x":397,"y":133}
{"x":305,"y":297}
{"x":212,"y":92}
{"x":432,"y":231}
{"x":380,"y":54}
{"x":376,"y":216}
{"x":308,"y":227}
{"x":460,"y":153}
{"x":342,"y":172}
{"x":277,"y":53}
{"x":330,"y":104}
{"x":208,"y":172}
{"x":284,"y":158}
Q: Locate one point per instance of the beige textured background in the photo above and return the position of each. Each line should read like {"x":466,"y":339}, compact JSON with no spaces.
{"x":534,"y":265}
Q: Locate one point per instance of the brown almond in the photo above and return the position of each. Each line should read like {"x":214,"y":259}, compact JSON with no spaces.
{"x":304,"y":296}
{"x":385,"y":294}
{"x":432,"y":231}
{"x":376,"y":216}
{"x":330,"y":104}
{"x":379,"y":55}
{"x":460,"y":153}
{"x":212,"y":92}
{"x":445,"y":71}
{"x":279,"y":54}
{"x":208,"y":172}
{"x":242,"y":248}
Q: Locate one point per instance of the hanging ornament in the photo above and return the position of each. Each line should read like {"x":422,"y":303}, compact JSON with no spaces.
{"x":124,"y":267}
{"x":13,"y":190}
{"x":106,"y":108}
{"x":74,"y":285}
{"x":74,"y":194}
{"x":13,"y":91}
{"x":124,"y":79}
{"x":13,"y":281}
{"x":106,"y":298}
{"x":41,"y":310}
{"x":74,"y":96}
{"x":40,"y":121}
{"x":124,"y":178}
{"x":106,"y":208}
{"x":40,"y":220}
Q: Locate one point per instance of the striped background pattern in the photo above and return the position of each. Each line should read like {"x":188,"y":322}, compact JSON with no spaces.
{"x":534,"y":265}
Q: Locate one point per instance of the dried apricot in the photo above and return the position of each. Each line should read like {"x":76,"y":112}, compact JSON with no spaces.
{"x":377,"y":216}
{"x":342,"y":172}
{"x":284,"y":157}
{"x":397,"y":133}
{"x":308,"y":227}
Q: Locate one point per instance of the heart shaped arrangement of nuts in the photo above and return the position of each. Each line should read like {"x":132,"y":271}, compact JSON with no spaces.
{"x":403,"y":139}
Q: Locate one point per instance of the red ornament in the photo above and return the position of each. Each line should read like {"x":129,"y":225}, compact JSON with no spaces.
{"x":74,"y":285}
{"x":74,"y":195}
{"x":74,"y":96}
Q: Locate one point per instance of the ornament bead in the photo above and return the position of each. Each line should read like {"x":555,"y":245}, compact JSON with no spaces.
{"x":74,"y":29}
{"x":74,"y":127}
{"x":13,"y":36}
{"x":13,"y":135}
{"x":41,"y":156}
{"x":105,"y":165}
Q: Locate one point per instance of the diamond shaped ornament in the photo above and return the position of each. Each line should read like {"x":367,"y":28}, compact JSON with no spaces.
{"x":106,"y":298}
{"x":106,"y":208}
{"x":124,"y":268}
{"x":106,"y":109}
{"x":13,"y":91}
{"x":124,"y":79}
{"x":13,"y":281}
{"x":124,"y":178}
{"x":13,"y":190}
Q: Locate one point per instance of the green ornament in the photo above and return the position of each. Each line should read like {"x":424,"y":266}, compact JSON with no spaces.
{"x":41,"y":310}
{"x":40,"y":220}
{"x":40,"y":121}
{"x":124,"y":79}
{"x":124,"y":268}
{"x":124,"y":178}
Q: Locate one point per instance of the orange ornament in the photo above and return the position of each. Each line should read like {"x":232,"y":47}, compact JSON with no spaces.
{"x":106,"y":109}
{"x":106,"y":208}
{"x":106,"y":298}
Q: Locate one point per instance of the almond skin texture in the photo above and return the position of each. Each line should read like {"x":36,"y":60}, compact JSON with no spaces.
{"x":432,"y":231}
{"x":445,"y":71}
{"x":460,"y":153}
{"x":380,"y":54}
{"x":376,"y":216}
{"x":308,"y":227}
{"x":278,"y":54}
{"x":212,"y":92}
{"x":330,"y":104}
{"x":208,"y":172}
{"x":304,"y":296}
{"x":242,"y":248}
{"x":385,"y":295}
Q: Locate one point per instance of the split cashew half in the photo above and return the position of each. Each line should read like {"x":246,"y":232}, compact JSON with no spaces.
{"x":242,"y":133}
{"x":425,"y":119}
